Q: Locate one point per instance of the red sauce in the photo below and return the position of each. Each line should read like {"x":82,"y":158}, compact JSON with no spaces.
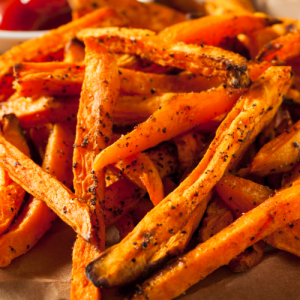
{"x":33,"y":14}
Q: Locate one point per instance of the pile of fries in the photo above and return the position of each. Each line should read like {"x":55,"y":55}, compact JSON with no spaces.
{"x":166,"y":128}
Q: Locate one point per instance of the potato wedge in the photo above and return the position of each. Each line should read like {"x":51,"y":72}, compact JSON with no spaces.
{"x":125,"y":262}
{"x":207,"y":60}
{"x":36,"y":217}
{"x":38,"y":183}
{"x":124,"y":225}
{"x":35,"y":50}
{"x":253,"y":226}
{"x":74,"y":51}
{"x":211,"y":30}
{"x":162,"y":125}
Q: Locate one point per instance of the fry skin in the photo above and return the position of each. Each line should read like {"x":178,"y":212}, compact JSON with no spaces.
{"x":164,"y":122}
{"x":37,"y":49}
{"x":125,"y":262}
{"x":207,"y":60}
{"x":253,"y":226}
{"x":211,"y":30}
{"x":36,"y":217}
{"x":38,"y":183}
{"x":93,"y":133}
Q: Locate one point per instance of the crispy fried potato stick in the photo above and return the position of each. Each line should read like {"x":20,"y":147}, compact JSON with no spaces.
{"x":207,"y":60}
{"x":125,"y":262}
{"x":141,"y":15}
{"x":243,"y":195}
{"x":279,"y":155}
{"x":49,"y":43}
{"x":93,"y":132}
{"x":65,"y":79}
{"x":189,"y":6}
{"x":44,"y":187}
{"x":36,"y":217}
{"x":11,"y":194}
{"x":253,"y":226}
{"x":282,"y":49}
{"x":211,"y":30}
{"x":188,"y":110}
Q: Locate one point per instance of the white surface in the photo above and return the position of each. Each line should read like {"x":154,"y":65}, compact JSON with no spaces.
{"x":9,"y":39}
{"x":279,"y":8}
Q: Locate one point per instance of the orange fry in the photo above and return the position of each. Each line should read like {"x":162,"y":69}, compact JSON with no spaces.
{"x":36,"y":217}
{"x":282,"y":49}
{"x":207,"y":60}
{"x":93,"y":132}
{"x":163,"y":124}
{"x":211,"y":30}
{"x":65,"y":79}
{"x":253,"y":226}
{"x":45,"y":188}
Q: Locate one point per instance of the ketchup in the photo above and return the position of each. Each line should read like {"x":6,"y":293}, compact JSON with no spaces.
{"x":33,"y":14}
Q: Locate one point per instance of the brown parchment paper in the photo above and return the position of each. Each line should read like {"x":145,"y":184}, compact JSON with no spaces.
{"x":44,"y":273}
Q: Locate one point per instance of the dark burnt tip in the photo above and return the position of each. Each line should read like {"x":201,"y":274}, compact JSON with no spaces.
{"x":92,"y":276}
{"x":273,"y":21}
{"x":18,"y":67}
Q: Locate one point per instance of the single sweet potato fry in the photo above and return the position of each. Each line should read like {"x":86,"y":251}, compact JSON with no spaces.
{"x":65,"y":79}
{"x":51,"y":42}
{"x":279,"y":155}
{"x":93,"y":132}
{"x":253,"y":226}
{"x":11,"y":194}
{"x":141,"y":15}
{"x":207,"y":60}
{"x":46,"y":188}
{"x":282,"y":49}
{"x":163,"y":124}
{"x":36,"y":217}
{"x":126,"y":261}
{"x":211,"y":30}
